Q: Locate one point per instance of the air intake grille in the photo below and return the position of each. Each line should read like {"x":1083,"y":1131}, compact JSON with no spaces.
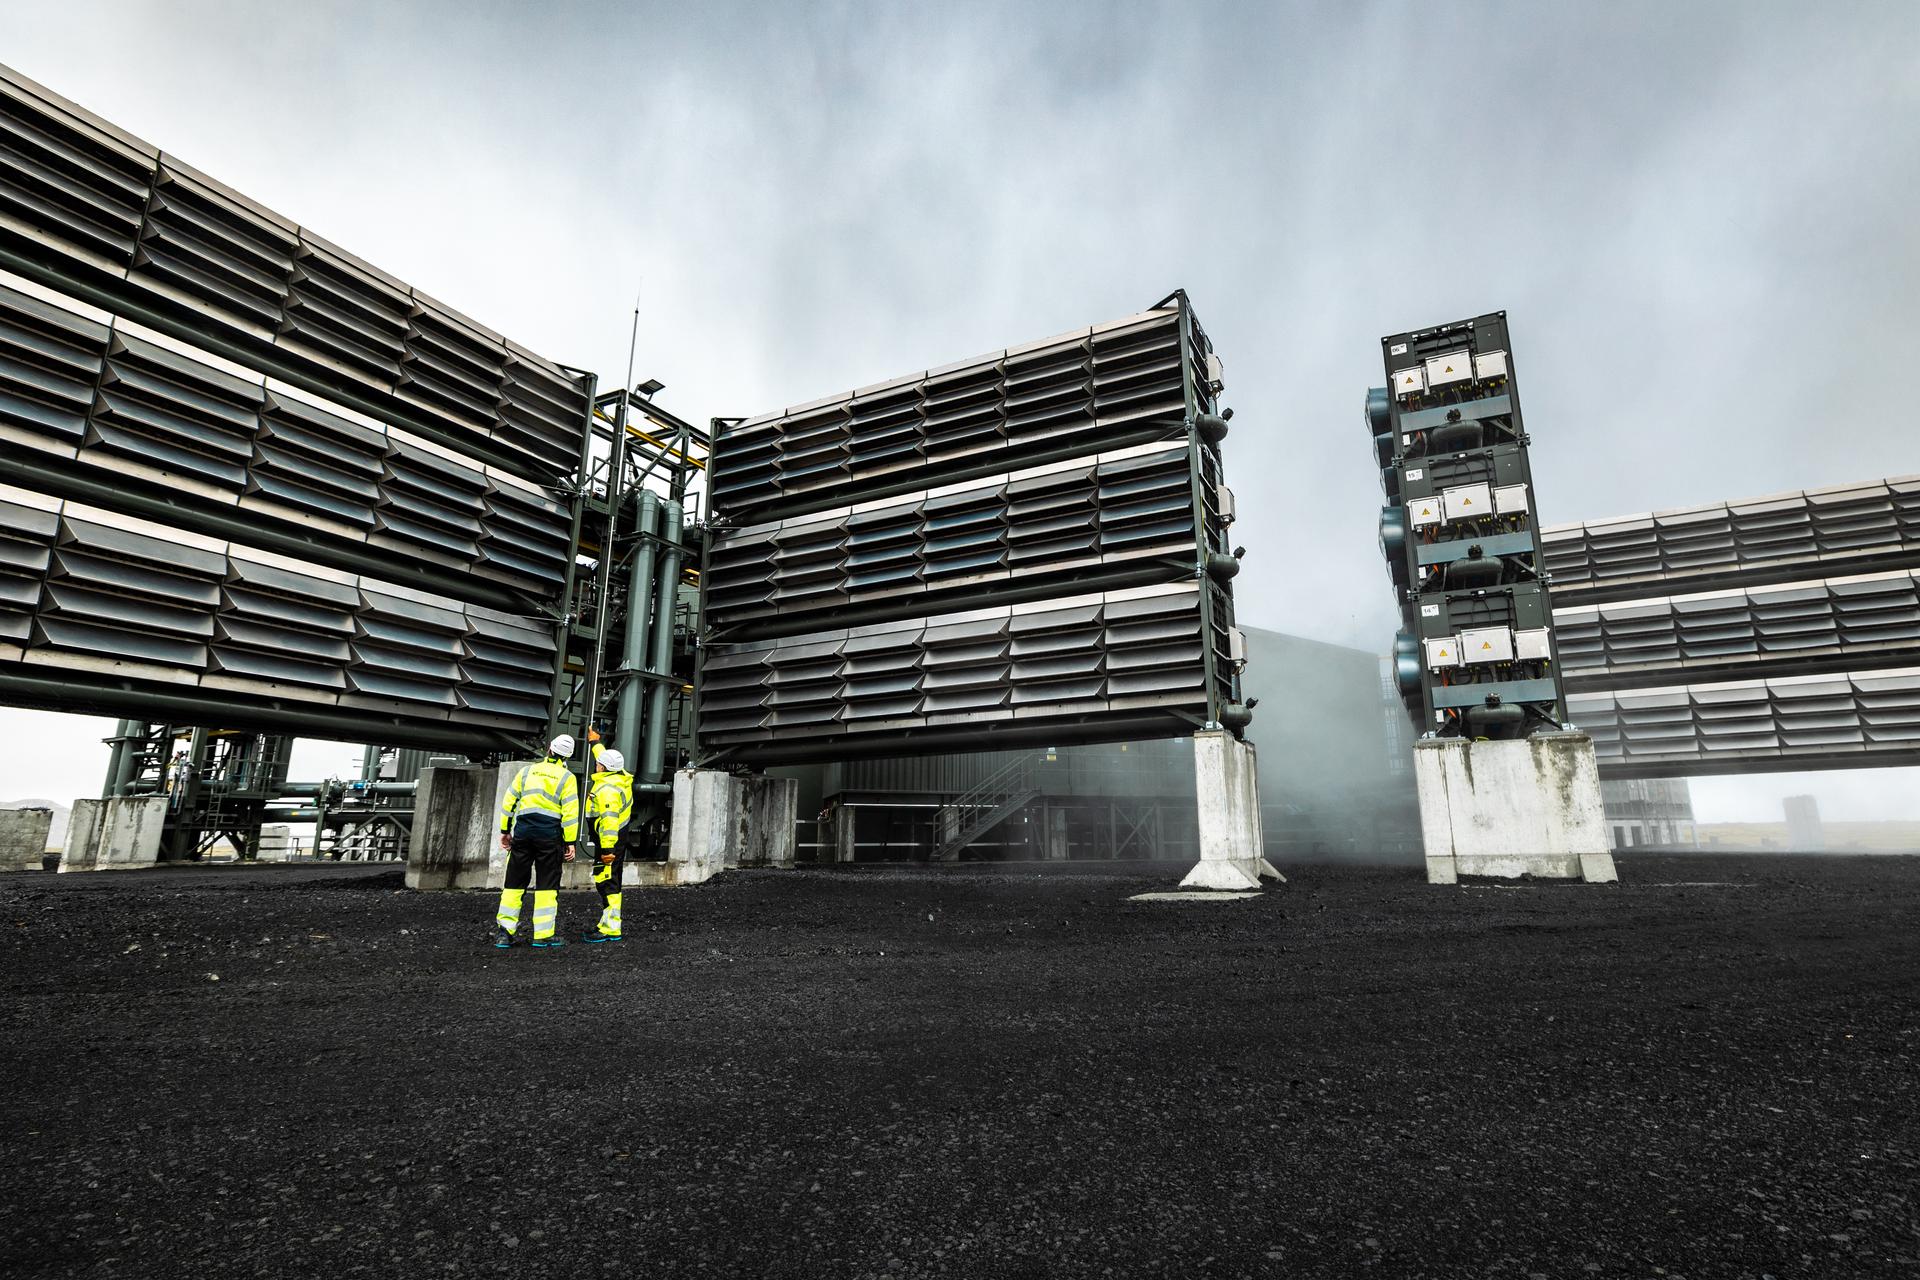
{"x":1747,"y":635}
{"x":85,"y":399}
{"x":87,"y":590}
{"x":1013,"y":548}
{"x":89,"y":210}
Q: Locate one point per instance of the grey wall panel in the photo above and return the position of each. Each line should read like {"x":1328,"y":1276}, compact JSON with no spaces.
{"x":87,"y":209}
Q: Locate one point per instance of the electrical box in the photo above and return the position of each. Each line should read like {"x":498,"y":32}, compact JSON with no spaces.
{"x":1409,"y":382}
{"x":1228,"y":511}
{"x":1444,"y":652}
{"x":1486,"y":644}
{"x":1490,"y":364}
{"x":1236,"y":644}
{"x":1532,"y":645}
{"x":1466,"y":502}
{"x":1454,"y":366}
{"x":1423,"y":513}
{"x":1510,"y":499}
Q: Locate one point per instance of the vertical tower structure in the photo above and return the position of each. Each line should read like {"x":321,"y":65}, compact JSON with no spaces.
{"x":1475,"y":656}
{"x":1505,"y":790}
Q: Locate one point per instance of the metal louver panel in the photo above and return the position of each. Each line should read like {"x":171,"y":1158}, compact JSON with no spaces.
{"x":1776,"y":633}
{"x":95,"y":213}
{"x":1014,"y":548}
{"x":1082,"y":393}
{"x":120,"y":609}
{"x":1123,"y":519}
{"x":131,"y":411}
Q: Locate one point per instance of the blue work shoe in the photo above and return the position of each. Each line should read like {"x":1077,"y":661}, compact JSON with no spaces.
{"x":555,"y":941}
{"x":592,"y":938}
{"x":502,"y":939}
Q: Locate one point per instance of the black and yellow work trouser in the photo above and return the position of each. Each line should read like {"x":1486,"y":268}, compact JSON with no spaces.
{"x":607,"y":873}
{"x":536,"y":858}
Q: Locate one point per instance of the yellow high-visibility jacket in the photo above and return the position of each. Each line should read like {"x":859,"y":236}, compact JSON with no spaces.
{"x":544,"y":790}
{"x":609,"y":804}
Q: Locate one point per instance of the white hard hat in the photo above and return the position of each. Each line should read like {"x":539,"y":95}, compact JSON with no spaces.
{"x":612,"y":761}
{"x":562,"y":746}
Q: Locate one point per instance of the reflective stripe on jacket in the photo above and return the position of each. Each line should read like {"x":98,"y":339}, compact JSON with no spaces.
{"x":610,"y":806}
{"x":546,"y":788}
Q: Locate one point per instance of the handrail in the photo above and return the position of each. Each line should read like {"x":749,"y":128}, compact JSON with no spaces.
{"x":1003,"y":782}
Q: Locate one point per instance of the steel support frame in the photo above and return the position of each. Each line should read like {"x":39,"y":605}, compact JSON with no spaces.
{"x":1196,"y":484}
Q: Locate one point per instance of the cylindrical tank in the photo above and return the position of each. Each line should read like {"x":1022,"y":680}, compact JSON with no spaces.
{"x":1478,"y":570}
{"x":1451,"y":437}
{"x":1501,"y":720}
{"x":633,"y":653}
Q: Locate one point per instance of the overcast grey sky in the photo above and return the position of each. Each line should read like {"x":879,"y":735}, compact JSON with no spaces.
{"x":1699,"y":217}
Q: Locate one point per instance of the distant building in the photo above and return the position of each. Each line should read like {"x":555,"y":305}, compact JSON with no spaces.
{"x":1804,"y":832}
{"x":1649,"y":812}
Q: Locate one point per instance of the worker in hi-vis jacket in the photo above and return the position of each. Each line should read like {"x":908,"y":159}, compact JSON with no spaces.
{"x":609,"y":811}
{"x":538,"y":818}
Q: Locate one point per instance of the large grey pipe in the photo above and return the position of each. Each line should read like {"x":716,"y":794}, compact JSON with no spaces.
{"x":633,"y":654}
{"x":660,"y":663}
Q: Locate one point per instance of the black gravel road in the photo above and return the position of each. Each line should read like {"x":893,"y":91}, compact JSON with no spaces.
{"x":293,"y":1071}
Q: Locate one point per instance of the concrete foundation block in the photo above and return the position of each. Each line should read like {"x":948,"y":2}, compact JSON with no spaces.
{"x":23,"y":838}
{"x":1527,"y":807}
{"x":455,"y":843}
{"x":770,"y":821}
{"x":1228,"y":794}
{"x":117,"y":834}
{"x":721,"y":821}
{"x":706,"y":824}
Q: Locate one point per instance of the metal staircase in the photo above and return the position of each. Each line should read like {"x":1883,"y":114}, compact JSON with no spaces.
{"x":991,"y":802}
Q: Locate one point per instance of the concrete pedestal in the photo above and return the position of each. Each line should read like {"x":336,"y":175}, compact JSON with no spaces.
{"x":770,"y":809}
{"x":1529,"y":807}
{"x":23,"y":838}
{"x":120,"y":834}
{"x":720,"y":822}
{"x":455,"y":842}
{"x":845,"y":846}
{"x":1228,"y":794}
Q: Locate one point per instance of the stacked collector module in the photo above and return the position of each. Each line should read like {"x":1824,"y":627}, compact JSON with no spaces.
{"x":1030,"y":546}
{"x":1475,"y":655}
{"x":252,"y":480}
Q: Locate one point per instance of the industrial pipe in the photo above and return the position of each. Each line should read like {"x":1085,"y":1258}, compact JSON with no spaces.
{"x":660,"y":663}
{"x":633,"y":654}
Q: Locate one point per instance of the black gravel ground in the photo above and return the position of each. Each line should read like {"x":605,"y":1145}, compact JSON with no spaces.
{"x":875,"y":1072}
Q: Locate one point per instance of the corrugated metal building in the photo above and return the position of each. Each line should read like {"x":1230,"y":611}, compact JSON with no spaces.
{"x":1335,"y":778}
